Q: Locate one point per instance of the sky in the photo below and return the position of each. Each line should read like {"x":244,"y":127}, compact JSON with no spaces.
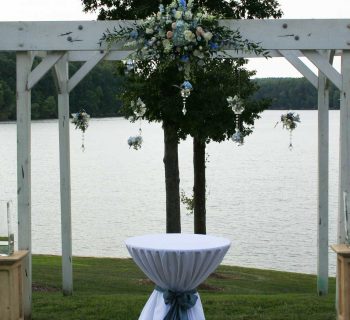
{"x":60,"y":10}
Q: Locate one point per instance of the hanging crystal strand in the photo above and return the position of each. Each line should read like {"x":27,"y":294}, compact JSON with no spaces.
{"x":290,"y":140}
{"x":184,"y":104}
{"x":237,"y":107}
{"x":83,"y":141}
{"x":140,"y":129}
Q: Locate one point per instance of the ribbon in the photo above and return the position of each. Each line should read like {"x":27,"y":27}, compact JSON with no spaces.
{"x":179,"y":303}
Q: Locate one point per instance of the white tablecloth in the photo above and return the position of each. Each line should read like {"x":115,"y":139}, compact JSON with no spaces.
{"x":177,"y":262}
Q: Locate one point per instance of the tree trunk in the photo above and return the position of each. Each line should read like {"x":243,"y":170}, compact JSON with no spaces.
{"x":172,"y":179}
{"x":199,"y":186}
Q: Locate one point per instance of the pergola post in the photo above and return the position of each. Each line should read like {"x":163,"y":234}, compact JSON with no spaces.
{"x":323,"y":156}
{"x":24,"y":63}
{"x":65,"y":179}
{"x":344,"y":149}
{"x":344,"y":145}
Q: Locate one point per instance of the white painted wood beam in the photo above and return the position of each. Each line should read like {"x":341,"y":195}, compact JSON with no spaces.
{"x":42,"y":68}
{"x":24,"y":65}
{"x":344,"y":145}
{"x":283,"y":34}
{"x":323,"y":173}
{"x":85,"y":69}
{"x":65,"y":178}
{"x":60,"y":75}
{"x":122,"y":55}
{"x":322,"y":63}
{"x":292,"y":56}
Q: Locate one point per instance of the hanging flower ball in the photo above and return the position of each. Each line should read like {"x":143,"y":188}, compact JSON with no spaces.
{"x":290,"y":120}
{"x":235,"y":104}
{"x":238,"y":138}
{"x":186,"y":89}
{"x":81,"y":120}
{"x":135,"y":142}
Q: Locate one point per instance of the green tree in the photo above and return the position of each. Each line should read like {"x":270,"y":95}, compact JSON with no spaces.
{"x":118,"y":9}
{"x":210,"y":119}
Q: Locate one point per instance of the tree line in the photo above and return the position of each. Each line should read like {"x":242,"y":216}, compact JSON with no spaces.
{"x":98,"y":92}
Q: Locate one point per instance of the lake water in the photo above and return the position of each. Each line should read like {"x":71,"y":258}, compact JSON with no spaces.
{"x":262,"y":196}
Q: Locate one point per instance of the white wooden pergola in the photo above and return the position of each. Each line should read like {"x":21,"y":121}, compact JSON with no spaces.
{"x":59,"y":43}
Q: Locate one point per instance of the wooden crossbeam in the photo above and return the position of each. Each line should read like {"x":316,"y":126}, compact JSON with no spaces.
{"x":322,"y":63}
{"x":44,"y":66}
{"x":85,"y":69}
{"x":293,"y":57}
{"x":284,"y":34}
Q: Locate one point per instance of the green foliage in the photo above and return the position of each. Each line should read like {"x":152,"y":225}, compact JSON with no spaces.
{"x":97,"y":93}
{"x":117,"y":289}
{"x":292,"y":93}
{"x":208,"y":116}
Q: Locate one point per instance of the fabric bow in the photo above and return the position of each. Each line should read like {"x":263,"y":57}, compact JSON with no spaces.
{"x":179,"y":303}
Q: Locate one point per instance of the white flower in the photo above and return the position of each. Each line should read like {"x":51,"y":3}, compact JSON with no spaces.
{"x":198,"y":54}
{"x":149,"y":31}
{"x":188,"y":15}
{"x":189,"y":35}
{"x":190,"y":4}
{"x":207,"y":36}
{"x":178,"y":15}
{"x":140,"y":103}
{"x":167,"y":45}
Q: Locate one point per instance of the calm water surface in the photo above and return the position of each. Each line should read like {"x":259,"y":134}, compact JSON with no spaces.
{"x":262,"y":196}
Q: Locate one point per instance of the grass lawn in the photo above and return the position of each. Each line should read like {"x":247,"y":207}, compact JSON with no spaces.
{"x":115,"y":289}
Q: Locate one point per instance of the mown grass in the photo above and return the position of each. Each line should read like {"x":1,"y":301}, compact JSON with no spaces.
{"x":106,"y":289}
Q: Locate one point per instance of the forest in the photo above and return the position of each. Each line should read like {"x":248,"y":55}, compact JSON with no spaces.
{"x":98,"y":92}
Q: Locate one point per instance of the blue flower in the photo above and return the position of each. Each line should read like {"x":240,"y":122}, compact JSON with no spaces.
{"x":183,"y":4}
{"x":134,"y":34}
{"x":184,"y":58}
{"x":161,"y":8}
{"x":187,"y":85}
{"x":213,"y":46}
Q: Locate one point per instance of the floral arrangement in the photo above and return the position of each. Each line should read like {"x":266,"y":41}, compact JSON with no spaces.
{"x":179,"y":33}
{"x":81,"y":122}
{"x":139,"y":109}
{"x":135,"y":142}
{"x":289,"y":122}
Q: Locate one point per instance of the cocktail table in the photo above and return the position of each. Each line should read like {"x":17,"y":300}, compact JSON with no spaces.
{"x":177,"y":264}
